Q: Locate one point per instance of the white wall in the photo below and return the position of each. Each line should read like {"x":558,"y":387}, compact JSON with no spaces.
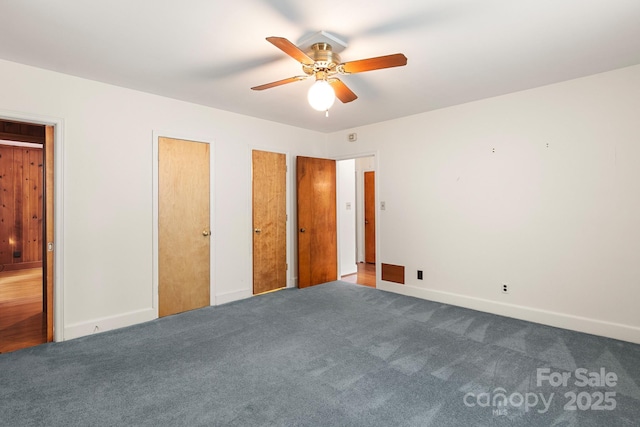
{"x":554,"y":211}
{"x":558,"y":223}
{"x":346,"y":187}
{"x":107,"y":179}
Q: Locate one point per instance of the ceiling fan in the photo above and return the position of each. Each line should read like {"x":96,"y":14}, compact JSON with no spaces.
{"x":324,"y":63}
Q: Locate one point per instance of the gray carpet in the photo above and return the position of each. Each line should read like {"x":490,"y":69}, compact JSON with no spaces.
{"x":332,"y":355}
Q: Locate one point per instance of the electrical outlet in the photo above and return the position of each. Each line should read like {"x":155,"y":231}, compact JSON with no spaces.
{"x":419,"y":274}
{"x":505,"y":288}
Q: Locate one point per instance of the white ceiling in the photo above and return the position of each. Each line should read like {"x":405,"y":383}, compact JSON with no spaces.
{"x":211,"y":52}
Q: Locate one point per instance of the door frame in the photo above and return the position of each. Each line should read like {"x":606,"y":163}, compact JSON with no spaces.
{"x":290,"y":246}
{"x":155,"y":197}
{"x":376,"y":169}
{"x":58,"y":211}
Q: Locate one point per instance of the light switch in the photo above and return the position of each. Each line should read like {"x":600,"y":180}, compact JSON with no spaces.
{"x":383,"y":206}
{"x":348,"y":206}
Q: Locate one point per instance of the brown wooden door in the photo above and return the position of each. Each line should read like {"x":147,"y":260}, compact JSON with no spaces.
{"x":183,"y":226}
{"x":48,"y":231}
{"x":317,"y":232}
{"x":369,"y":217}
{"x":269,"y":195}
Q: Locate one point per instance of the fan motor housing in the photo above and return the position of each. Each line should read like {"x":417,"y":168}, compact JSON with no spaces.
{"x":325,"y":59}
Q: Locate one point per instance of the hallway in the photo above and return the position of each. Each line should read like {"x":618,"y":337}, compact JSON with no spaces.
{"x":366,"y":275}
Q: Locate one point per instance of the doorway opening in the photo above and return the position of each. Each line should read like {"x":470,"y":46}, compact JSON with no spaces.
{"x":26,"y":218}
{"x":357,"y":220}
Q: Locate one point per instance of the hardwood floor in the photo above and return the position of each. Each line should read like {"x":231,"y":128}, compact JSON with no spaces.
{"x":22,"y":320}
{"x":366,"y":275}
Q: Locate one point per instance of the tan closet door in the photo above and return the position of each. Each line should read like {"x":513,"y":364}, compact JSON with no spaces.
{"x":183,"y":226}
{"x":269,"y":195}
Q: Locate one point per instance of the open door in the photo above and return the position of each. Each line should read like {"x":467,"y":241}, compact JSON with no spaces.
{"x":317,"y":224}
{"x":48,"y":231}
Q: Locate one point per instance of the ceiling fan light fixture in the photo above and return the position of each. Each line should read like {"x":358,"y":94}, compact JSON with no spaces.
{"x":320,"y":60}
{"x":321,"y":96}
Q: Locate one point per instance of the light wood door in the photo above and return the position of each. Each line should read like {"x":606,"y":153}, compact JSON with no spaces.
{"x":369,"y":217}
{"x":183,"y":226}
{"x":269,"y":195}
{"x":317,"y":231}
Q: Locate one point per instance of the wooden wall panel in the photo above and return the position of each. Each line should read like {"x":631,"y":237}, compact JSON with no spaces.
{"x":7,"y":212}
{"x":21,"y":205}
{"x":33,"y":210}
{"x":16,"y":200}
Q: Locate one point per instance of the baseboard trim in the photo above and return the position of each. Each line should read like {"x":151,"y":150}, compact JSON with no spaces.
{"x":560,"y":320}
{"x":352,"y":269}
{"x":109,"y":323}
{"x":233,"y":296}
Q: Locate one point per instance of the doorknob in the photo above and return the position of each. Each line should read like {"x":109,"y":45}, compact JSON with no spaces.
{"x":302,"y":230}
{"x":206,"y":233}
{"x":257,"y":230}
{"x":366,"y":221}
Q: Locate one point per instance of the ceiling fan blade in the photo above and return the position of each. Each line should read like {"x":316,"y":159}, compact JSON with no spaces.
{"x":388,"y":61}
{"x":290,"y":49}
{"x":279,"y":83}
{"x":343,"y":93}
